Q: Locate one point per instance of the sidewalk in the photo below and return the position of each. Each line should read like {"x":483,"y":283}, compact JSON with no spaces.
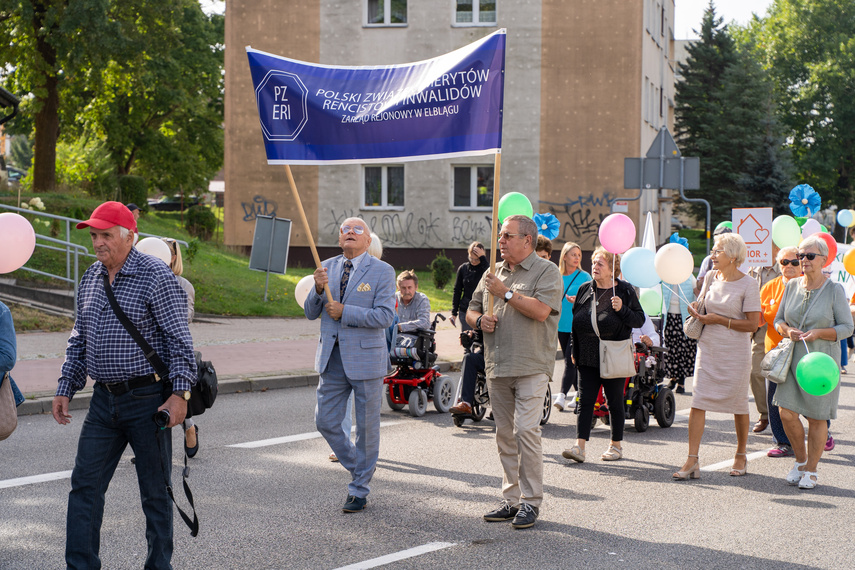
{"x":250,"y":354}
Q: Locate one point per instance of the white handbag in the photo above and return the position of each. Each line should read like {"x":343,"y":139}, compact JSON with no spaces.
{"x":617,"y":357}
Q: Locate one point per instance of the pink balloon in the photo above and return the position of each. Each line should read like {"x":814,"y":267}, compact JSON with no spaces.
{"x":17,"y":241}
{"x":617,"y":233}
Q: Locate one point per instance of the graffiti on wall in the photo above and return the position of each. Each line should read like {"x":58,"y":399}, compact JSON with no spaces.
{"x":401,"y":229}
{"x":466,"y":230}
{"x":581,"y":217}
{"x":260,"y":206}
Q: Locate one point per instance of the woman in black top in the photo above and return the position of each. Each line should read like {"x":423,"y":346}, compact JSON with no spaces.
{"x":468,"y":276}
{"x":618,"y":312}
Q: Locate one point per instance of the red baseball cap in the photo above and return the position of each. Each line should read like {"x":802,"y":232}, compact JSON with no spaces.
{"x":110,"y":214}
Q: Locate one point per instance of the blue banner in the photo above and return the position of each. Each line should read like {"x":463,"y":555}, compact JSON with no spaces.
{"x":438,"y":108}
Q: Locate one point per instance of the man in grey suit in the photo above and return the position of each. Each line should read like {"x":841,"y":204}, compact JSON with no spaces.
{"x":352,"y":354}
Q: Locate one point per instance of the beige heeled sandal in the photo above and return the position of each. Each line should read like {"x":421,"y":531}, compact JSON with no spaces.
{"x":694,"y":472}
{"x":734,"y":472}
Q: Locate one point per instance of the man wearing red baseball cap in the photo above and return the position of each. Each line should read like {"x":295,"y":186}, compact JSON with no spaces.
{"x":128,"y":391}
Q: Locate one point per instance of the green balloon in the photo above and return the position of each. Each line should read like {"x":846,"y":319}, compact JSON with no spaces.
{"x":823,"y":228}
{"x":728,"y":225}
{"x":817,"y":374}
{"x":514,"y":204}
{"x":651,"y":301}
{"x":786,"y":231}
{"x":801,"y":220}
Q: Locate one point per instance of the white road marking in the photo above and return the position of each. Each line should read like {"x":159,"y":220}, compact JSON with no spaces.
{"x":729,"y":462}
{"x":292,"y":438}
{"x":394,"y":557}
{"x":20,"y":481}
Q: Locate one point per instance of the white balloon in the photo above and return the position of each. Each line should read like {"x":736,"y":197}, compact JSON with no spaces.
{"x":810,"y":227}
{"x":156,"y":247}
{"x":303,"y":288}
{"x":674,"y":263}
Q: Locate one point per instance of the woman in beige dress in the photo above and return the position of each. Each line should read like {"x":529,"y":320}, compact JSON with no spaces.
{"x":823,"y":307}
{"x":723,"y":363}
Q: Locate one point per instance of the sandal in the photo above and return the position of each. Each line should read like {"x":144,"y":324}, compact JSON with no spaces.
{"x":694,"y":472}
{"x":795,"y":475}
{"x":575,"y":453}
{"x":734,"y":472}
{"x":809,"y":480}
{"x":612,"y":454}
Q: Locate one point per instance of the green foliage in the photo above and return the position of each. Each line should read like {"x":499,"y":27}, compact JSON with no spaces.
{"x":725,"y":115}
{"x":86,"y":166}
{"x":192,"y":249}
{"x":201,"y":222}
{"x":132,"y":189}
{"x":808,"y":48}
{"x":442,"y":269}
{"x":21,"y":151}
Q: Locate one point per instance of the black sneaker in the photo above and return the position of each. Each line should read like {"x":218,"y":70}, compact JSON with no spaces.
{"x":505,"y":512}
{"x":526,"y":516}
{"x":354,"y":504}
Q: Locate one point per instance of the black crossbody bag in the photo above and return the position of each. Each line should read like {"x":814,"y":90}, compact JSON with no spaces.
{"x":161,"y":370}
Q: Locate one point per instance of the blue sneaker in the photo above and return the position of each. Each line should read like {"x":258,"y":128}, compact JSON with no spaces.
{"x":354,"y":504}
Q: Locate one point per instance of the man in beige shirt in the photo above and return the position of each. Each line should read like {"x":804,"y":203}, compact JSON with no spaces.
{"x":519,"y":345}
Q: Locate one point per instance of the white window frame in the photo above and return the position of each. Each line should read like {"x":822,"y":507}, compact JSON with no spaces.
{"x":387,"y":16}
{"x":384,"y":188}
{"x":473,"y":188}
{"x":476,"y":13}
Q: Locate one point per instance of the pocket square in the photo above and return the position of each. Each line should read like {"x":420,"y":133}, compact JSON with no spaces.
{"x":364,"y":287}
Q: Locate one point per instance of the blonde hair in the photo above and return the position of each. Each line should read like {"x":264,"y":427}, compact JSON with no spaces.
{"x":733,"y":246}
{"x":564,"y":251}
{"x":177,"y":264}
{"x":610,"y":258}
{"x":375,"y":248}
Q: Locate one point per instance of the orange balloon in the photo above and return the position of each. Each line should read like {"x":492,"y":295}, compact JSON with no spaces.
{"x":849,"y":261}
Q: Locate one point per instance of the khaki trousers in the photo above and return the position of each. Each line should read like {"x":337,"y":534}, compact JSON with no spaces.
{"x":758,"y":382}
{"x":517,"y":403}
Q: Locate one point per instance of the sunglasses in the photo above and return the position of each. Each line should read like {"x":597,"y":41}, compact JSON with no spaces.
{"x":506,"y":236}
{"x":358,"y":230}
{"x":786,"y":262}
{"x":809,"y":256}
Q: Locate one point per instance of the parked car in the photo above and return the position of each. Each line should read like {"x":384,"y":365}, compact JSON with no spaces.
{"x":173,"y":203}
{"x":676,"y":224}
{"x":15,"y":174}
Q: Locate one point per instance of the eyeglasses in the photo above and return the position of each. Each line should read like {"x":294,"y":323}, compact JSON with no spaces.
{"x":173,"y":245}
{"x":716,"y":251}
{"x":358,"y":230}
{"x":786,"y":262}
{"x":810,"y":256}
{"x":506,"y":236}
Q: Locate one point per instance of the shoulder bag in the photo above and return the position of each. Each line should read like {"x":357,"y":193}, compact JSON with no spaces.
{"x":776,"y":364}
{"x":693,"y":327}
{"x":8,"y":410}
{"x":617,"y":359}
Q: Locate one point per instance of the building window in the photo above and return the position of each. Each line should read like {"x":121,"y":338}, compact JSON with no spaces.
{"x":473,"y":186}
{"x":384,"y":186}
{"x":475,"y":12}
{"x":386,"y":12}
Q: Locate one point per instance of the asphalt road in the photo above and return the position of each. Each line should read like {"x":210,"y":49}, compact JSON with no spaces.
{"x":279,"y":505}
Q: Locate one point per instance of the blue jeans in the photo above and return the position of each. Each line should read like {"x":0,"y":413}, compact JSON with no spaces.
{"x":110,"y":425}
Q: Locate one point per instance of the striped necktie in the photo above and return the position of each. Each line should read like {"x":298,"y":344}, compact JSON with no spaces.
{"x":345,"y":276}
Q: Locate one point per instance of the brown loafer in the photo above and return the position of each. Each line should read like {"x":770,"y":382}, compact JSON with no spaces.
{"x":761,"y":425}
{"x":461,"y":408}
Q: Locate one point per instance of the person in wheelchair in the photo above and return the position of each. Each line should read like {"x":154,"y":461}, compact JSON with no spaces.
{"x":413,"y":309}
{"x":646,"y":335}
{"x":473,"y":363}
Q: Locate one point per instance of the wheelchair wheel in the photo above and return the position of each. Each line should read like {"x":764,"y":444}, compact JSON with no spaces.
{"x":547,"y":406}
{"x":482,"y":399}
{"x":457,"y":420}
{"x":642,"y":419}
{"x":664,"y":407}
{"x":393,"y":405}
{"x":418,"y":402}
{"x":443,"y":394}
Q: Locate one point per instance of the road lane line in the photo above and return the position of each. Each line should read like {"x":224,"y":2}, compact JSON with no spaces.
{"x":394,"y":557}
{"x":292,"y":438}
{"x":729,"y":462}
{"x":20,"y":481}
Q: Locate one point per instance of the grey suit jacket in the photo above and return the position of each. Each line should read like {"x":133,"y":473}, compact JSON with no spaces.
{"x":369,"y":309}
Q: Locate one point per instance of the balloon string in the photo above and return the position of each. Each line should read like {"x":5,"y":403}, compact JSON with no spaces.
{"x":614,"y":277}
{"x":678,"y":293}
{"x":806,"y":346}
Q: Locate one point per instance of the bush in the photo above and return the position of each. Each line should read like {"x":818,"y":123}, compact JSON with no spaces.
{"x":192,"y":249}
{"x":87,"y":166}
{"x":201,"y":222}
{"x":442,"y":269}
{"x":132,"y":189}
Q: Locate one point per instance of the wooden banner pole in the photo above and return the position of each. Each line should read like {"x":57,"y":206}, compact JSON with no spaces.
{"x":306,"y":226}
{"x":495,"y":227}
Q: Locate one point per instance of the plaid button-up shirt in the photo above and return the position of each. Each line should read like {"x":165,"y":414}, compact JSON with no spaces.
{"x":100,"y":347}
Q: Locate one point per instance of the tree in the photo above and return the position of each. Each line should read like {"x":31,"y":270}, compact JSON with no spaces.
{"x":724,"y":115}
{"x":808,"y":48}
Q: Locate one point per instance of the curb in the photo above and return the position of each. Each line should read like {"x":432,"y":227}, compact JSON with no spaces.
{"x":227,"y":385}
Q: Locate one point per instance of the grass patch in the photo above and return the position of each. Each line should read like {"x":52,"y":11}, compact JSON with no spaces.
{"x":223,"y":281}
{"x":28,"y":319}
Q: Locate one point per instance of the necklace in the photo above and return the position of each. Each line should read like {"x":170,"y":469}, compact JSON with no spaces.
{"x":601,"y":295}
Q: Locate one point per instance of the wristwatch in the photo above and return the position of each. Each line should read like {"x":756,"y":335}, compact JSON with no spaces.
{"x":478,"y":322}
{"x":509,"y":295}
{"x":185,"y":394}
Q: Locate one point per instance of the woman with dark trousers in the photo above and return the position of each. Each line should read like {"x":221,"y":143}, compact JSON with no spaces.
{"x":573,"y":276}
{"x":468,"y":276}
{"x":617,"y":312}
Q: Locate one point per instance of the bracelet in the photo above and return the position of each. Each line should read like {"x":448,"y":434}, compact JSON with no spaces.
{"x":478,"y":322}
{"x":728,"y":323}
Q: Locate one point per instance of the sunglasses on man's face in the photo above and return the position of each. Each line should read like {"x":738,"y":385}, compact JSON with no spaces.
{"x":358,"y":230}
{"x":786,"y":262}
{"x":809,"y":256}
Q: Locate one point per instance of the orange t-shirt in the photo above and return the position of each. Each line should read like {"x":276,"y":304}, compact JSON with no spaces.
{"x":770,"y":298}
